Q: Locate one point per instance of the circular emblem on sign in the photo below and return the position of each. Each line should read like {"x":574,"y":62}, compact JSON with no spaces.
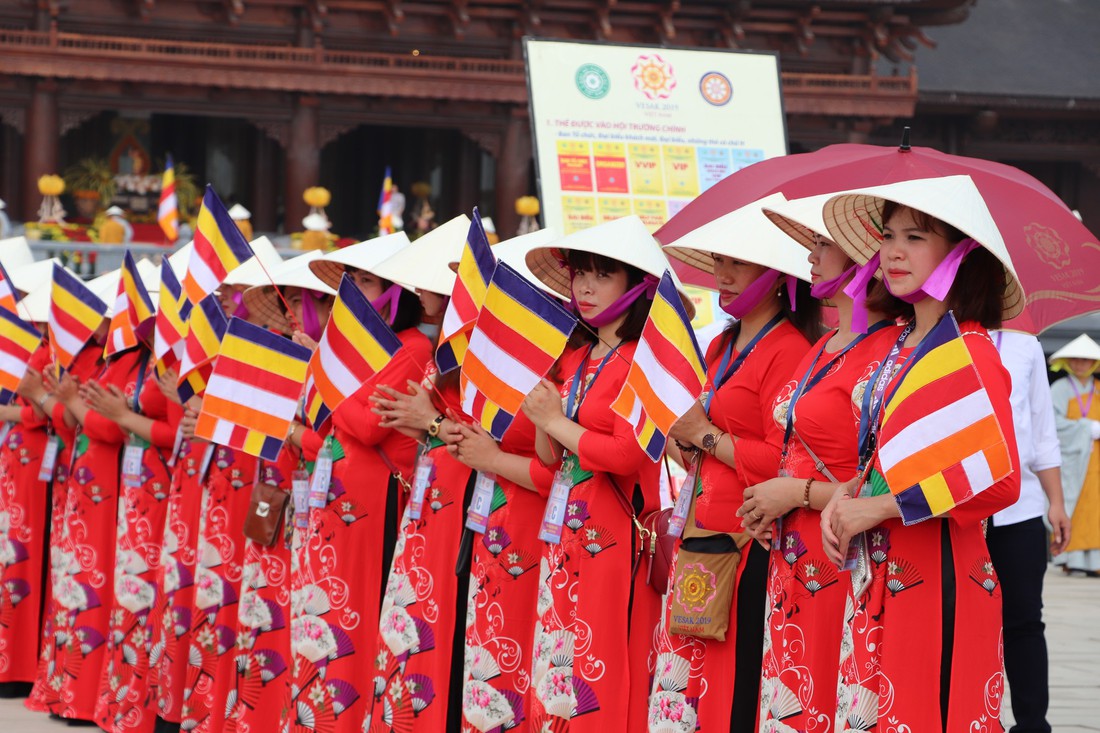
{"x":592,"y":81}
{"x":1048,"y":244}
{"x":716,"y":88}
{"x":653,"y":76}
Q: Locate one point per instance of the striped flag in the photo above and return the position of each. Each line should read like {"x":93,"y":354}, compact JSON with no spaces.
{"x":253,"y":392}
{"x":940,"y":442}
{"x":385,"y":205}
{"x":170,"y":326}
{"x":475,"y":269}
{"x":667,"y":375}
{"x":75,"y":314}
{"x":168,"y":215}
{"x":133,"y":312}
{"x":219,"y":248}
{"x":206,"y":325}
{"x":519,"y":334}
{"x":18,"y":340}
{"x":9,"y":295}
{"x":356,"y":345}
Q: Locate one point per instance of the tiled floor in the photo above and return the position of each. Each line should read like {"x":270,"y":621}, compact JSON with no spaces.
{"x":1073,"y":635}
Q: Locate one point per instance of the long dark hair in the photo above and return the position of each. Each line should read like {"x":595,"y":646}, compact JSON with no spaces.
{"x":408,"y":309}
{"x":978,"y":291}
{"x":636,"y":315}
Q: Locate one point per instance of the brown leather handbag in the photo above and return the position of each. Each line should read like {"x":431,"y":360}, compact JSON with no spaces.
{"x":266,"y":513}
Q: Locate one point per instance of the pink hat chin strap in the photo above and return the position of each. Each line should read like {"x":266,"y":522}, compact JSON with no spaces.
{"x":648,"y":286}
{"x":761,"y":288}
{"x":389,"y":297}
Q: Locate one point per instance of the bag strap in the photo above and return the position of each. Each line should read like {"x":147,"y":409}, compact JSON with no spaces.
{"x":393,"y":469}
{"x":818,"y":463}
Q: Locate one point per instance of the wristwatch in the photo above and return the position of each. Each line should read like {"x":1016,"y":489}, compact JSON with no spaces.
{"x":433,"y":429}
{"x":710,"y":441}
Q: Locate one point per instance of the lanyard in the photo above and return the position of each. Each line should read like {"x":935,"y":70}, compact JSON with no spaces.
{"x":576,"y":395}
{"x":140,"y":383}
{"x":1085,"y":406}
{"x":807,"y":382}
{"x":723,"y":374}
{"x":872,"y":397}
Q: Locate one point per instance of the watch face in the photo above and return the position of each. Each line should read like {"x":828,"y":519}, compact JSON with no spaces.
{"x":708,"y":441}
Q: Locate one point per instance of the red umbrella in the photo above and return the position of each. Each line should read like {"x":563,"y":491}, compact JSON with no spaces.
{"x":1056,"y":257}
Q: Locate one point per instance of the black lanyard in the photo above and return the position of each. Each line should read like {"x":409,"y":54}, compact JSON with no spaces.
{"x":872,"y":397}
{"x":807,"y":382}
{"x":140,"y":383}
{"x":724,"y":374}
{"x":573,"y":404}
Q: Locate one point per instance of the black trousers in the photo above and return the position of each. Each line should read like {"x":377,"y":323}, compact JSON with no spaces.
{"x":1019,"y":555}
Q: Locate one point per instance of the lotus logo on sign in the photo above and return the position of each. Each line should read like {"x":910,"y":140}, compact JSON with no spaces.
{"x":716,"y":88}
{"x":653,"y":76}
{"x":592,"y":81}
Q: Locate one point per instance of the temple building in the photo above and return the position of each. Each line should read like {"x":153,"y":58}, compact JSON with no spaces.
{"x":264,"y":98}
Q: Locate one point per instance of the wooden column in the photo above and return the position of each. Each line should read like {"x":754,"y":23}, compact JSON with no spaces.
{"x":40,"y":149}
{"x":264,"y":184}
{"x":303,"y":161}
{"x":513,"y":172}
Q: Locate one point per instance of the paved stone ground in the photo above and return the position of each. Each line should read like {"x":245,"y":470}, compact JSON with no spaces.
{"x":1073,"y":635}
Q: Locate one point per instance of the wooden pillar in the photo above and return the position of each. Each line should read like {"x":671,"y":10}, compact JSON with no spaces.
{"x":303,"y":161}
{"x":468,"y":178}
{"x":264,"y":183}
{"x":513,"y":172}
{"x":40,"y":147}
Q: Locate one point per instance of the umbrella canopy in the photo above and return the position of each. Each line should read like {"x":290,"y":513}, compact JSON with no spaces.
{"x":1057,"y":258}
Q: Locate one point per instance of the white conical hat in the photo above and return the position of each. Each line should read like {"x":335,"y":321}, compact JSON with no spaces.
{"x":854,"y":221}
{"x":35,"y":306}
{"x":316,"y":223}
{"x":626,"y":240}
{"x":365,"y":255}
{"x":514,"y":252}
{"x":293,"y":273}
{"x":1081,"y":347}
{"x":801,"y":219}
{"x":252,"y":271}
{"x":106,"y":287}
{"x":29,"y":278}
{"x":15,"y":252}
{"x":743,"y":234}
{"x":425,"y":263}
{"x":239,"y":213}
{"x":178,"y":260}
{"x":114,"y":211}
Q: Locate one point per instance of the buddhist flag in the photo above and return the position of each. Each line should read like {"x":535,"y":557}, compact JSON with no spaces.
{"x":75,"y":314}
{"x":940,"y":442}
{"x":667,"y":375}
{"x":9,"y":296}
{"x":356,"y":345}
{"x":253,"y":392}
{"x":475,"y":269}
{"x":219,"y":248}
{"x":170,"y":326}
{"x":168,"y":215}
{"x":385,"y":205}
{"x":133,"y":312}
{"x":519,"y":334}
{"x":206,"y":325}
{"x":18,"y":340}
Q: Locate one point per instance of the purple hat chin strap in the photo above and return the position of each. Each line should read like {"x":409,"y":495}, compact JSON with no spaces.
{"x":389,"y":297}
{"x":760,"y":289}
{"x":829,"y":288}
{"x":311,"y":323}
{"x":648,"y":286}
{"x":241,"y":311}
{"x":939,"y":283}
{"x":857,"y":291}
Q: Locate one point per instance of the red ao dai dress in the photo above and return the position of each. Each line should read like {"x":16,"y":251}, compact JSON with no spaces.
{"x":126,"y":700}
{"x":501,"y":606}
{"x":24,"y":530}
{"x":806,"y":592}
{"x":590,"y":664}
{"x":921,"y":648}
{"x":694,"y":683}
{"x":346,"y":553}
{"x":47,"y":681}
{"x":85,"y":565}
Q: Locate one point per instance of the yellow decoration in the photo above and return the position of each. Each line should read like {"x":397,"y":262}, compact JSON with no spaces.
{"x":421,"y":189}
{"x":527,"y":206}
{"x":317,"y":196}
{"x":51,"y":185}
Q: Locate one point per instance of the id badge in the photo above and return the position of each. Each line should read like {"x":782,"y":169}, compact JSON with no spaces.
{"x":421,"y":479}
{"x":553,"y":518}
{"x":322,"y":478}
{"x":301,"y":497}
{"x":477,"y":516}
{"x":683,"y":502}
{"x":131,"y":464}
{"x":49,"y":458}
